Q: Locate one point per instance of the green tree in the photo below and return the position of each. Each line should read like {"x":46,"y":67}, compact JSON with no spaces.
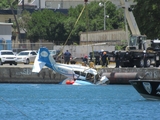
{"x":45,"y":24}
{"x":37,"y":26}
{"x":5,"y":5}
{"x":96,"y":15}
{"x":147,"y":15}
{"x":24,"y":19}
{"x":57,"y":27}
{"x":11,"y":4}
{"x":92,"y":19}
{"x":73,"y":25}
{"x":55,"y":31}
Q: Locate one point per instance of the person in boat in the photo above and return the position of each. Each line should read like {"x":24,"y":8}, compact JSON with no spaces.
{"x":67,"y":56}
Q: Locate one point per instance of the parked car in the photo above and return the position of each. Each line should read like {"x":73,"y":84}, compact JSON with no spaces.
{"x":7,"y":56}
{"x":52,"y":52}
{"x":17,"y":50}
{"x":56,"y":56}
{"x":26,"y":57}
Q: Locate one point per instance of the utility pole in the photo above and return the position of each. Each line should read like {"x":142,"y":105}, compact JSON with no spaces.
{"x":22,"y":5}
{"x":86,"y":10}
{"x":104,"y":15}
{"x":39,"y":5}
{"x":104,"y":5}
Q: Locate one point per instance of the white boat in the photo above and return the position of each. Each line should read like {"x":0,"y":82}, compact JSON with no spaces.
{"x":76,"y":74}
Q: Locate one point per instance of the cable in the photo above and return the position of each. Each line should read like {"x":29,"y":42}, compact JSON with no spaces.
{"x":71,"y":31}
{"x":13,"y":107}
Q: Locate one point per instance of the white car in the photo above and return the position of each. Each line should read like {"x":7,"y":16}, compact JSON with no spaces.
{"x":26,"y":57}
{"x":52,"y":52}
{"x":7,"y":56}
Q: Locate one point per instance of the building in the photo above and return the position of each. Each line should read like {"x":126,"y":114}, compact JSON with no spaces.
{"x":5,"y":36}
{"x":111,"y":37}
{"x":61,"y":4}
{"x":56,"y":5}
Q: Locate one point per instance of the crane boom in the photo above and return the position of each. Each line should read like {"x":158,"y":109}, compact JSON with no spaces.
{"x":130,"y":18}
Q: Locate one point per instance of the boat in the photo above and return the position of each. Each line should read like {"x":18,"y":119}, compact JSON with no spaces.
{"x":75,"y":74}
{"x":149,"y":89}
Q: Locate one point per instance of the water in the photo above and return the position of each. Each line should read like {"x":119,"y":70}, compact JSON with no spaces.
{"x":65,"y":102}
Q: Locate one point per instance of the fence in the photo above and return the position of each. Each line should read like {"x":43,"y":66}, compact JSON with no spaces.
{"x":75,"y":50}
{"x":32,"y":46}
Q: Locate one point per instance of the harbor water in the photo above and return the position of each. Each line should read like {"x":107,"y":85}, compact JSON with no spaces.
{"x":66,"y":102}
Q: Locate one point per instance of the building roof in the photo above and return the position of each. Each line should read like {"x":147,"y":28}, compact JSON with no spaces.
{"x":9,"y":12}
{"x":2,"y":23}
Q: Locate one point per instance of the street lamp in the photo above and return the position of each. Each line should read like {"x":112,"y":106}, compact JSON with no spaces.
{"x":101,"y":4}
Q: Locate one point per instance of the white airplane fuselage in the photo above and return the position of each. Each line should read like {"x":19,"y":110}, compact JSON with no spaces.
{"x":77,"y":74}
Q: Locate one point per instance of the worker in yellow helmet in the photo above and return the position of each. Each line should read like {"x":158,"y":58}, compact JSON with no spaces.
{"x":104,"y":59}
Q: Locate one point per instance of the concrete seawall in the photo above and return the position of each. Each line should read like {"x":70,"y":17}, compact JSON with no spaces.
{"x":123,"y":75}
{"x":25,"y":75}
{"x":115,"y":75}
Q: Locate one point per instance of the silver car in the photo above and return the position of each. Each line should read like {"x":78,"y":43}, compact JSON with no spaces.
{"x":7,"y":56}
{"x":26,"y":57}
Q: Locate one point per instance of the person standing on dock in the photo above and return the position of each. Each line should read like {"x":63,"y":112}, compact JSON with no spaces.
{"x":67,"y":56}
{"x":104,"y":59}
{"x":117,"y":59}
{"x":85,"y":59}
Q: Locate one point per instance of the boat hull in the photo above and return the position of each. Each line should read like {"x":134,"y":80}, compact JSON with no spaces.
{"x":67,"y":81}
{"x":149,"y":89}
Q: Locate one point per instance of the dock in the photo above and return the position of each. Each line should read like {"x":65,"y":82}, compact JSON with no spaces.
{"x":24,"y":74}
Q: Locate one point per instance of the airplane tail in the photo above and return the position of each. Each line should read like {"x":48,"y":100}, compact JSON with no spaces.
{"x":42,"y":59}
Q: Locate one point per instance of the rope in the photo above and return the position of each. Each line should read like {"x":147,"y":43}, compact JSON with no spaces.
{"x":13,"y":107}
{"x":72,"y":30}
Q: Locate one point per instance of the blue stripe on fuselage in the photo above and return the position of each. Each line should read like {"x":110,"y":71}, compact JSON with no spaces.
{"x":44,"y":57}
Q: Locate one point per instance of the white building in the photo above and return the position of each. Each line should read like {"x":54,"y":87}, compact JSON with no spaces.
{"x":61,"y":4}
{"x":5,"y":36}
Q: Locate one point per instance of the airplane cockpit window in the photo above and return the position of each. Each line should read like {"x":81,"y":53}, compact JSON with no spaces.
{"x":80,"y":73}
{"x":77,"y":72}
{"x":90,"y":77}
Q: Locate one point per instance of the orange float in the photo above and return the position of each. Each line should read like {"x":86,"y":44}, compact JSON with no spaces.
{"x":68,"y":82}
{"x":72,"y":81}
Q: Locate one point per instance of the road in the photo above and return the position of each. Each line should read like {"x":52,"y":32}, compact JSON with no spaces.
{"x":18,"y":65}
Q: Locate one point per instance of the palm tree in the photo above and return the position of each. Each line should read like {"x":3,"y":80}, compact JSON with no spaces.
{"x":11,"y":7}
